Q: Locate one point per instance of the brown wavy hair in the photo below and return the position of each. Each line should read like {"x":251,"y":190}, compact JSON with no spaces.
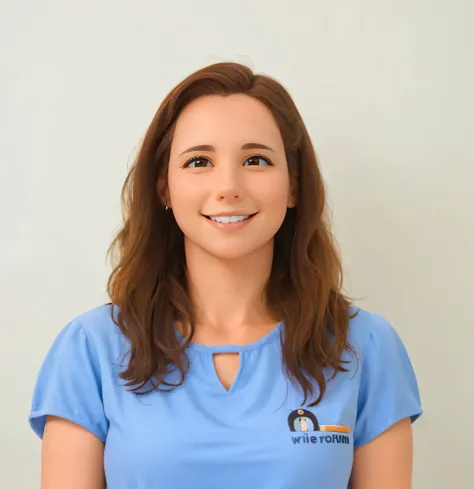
{"x":148,"y":282}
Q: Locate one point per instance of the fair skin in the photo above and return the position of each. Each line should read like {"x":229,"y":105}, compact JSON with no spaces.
{"x":241,"y":171}
{"x":228,"y":177}
{"x":386,"y":461}
{"x":228,"y":268}
{"x":71,"y":457}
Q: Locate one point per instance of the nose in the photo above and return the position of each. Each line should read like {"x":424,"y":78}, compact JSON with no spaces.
{"x":228,"y":184}
{"x":229,"y":196}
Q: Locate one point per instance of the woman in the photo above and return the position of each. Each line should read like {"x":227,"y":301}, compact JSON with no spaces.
{"x":228,"y":357}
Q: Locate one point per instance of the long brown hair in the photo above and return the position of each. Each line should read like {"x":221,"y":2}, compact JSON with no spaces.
{"x":148,"y":282}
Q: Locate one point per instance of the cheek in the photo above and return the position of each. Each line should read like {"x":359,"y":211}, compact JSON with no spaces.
{"x":185,"y":199}
{"x":184,"y":194}
{"x":275,"y":192}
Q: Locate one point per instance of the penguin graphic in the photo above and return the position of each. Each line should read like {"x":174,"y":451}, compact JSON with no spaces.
{"x":303,"y":421}
{"x":303,"y":424}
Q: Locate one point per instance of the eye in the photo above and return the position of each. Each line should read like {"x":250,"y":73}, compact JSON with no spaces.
{"x":257,"y":161}
{"x":197,"y":162}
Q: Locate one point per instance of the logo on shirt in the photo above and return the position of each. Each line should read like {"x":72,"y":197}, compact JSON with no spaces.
{"x":305,"y":422}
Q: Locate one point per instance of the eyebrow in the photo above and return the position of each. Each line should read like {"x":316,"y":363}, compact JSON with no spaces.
{"x":211,"y":149}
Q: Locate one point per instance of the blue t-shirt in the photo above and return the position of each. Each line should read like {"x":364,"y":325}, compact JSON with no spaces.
{"x":256,"y":435}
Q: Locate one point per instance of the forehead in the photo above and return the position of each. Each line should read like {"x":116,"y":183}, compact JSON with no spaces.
{"x":233,"y":119}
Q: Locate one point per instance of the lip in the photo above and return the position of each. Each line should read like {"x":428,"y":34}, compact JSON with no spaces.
{"x":230,"y":213}
{"x":231,"y":225}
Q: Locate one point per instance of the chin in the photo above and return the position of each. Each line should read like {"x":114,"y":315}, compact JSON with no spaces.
{"x":230,"y":251}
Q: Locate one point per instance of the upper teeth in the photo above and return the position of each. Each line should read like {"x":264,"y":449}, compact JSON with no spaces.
{"x":228,"y":219}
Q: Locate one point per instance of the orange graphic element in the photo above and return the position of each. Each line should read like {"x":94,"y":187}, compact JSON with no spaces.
{"x":334,"y":428}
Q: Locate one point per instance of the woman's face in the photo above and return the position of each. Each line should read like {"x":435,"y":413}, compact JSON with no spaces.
{"x":228,"y":181}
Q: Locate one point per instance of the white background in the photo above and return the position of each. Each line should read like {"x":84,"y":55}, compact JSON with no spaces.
{"x":385,"y":88}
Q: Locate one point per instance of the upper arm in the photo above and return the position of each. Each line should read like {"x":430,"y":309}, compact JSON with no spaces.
{"x":388,"y":389}
{"x":72,"y":457}
{"x":68,"y":413}
{"x":386,"y":461}
{"x":69,"y":384}
{"x":388,"y":403}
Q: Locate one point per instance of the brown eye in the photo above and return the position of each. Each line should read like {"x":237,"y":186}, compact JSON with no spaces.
{"x":197,"y":162}
{"x":257,"y":161}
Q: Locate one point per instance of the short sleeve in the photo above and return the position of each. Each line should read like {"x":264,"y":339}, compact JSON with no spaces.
{"x":388,"y":385}
{"x":69,"y":384}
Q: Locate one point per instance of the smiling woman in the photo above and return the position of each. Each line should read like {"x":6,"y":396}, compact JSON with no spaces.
{"x":225,"y":178}
{"x":228,"y":356}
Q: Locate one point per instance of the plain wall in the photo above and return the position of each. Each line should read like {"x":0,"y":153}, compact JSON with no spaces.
{"x":385,"y":88}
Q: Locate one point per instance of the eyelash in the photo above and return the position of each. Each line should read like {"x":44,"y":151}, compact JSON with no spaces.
{"x":195,"y":158}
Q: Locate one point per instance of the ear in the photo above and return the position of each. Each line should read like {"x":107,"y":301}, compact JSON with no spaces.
{"x":163,"y":193}
{"x":292,"y":197}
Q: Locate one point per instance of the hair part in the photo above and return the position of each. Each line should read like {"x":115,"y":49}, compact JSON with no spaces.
{"x":148,"y":283}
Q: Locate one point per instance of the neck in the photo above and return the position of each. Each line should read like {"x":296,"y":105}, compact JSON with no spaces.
{"x":228,"y":295}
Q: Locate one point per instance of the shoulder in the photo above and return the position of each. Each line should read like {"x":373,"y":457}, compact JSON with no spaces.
{"x":98,"y":322}
{"x":99,"y":330}
{"x":368,"y":329}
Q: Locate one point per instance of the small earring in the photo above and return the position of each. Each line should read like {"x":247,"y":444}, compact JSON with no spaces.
{"x":166,"y":208}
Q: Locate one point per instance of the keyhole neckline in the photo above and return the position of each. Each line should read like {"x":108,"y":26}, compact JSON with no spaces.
{"x":229,"y":348}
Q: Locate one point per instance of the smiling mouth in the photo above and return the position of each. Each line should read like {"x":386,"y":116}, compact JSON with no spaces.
{"x":229,"y":219}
